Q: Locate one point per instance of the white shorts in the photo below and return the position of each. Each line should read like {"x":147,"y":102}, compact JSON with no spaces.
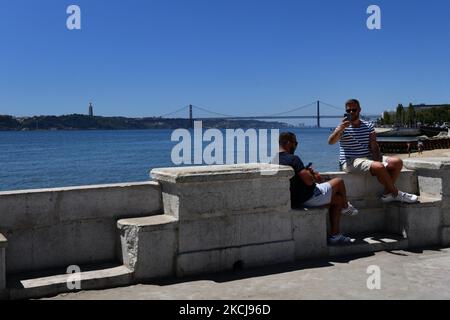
{"x":321,"y":197}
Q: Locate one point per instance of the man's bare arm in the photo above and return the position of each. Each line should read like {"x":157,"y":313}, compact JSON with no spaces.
{"x":307,"y":177}
{"x":374,"y":148}
{"x":337,"y":133}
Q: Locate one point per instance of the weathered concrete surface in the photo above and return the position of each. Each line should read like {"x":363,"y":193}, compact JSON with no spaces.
{"x":50,"y":228}
{"x":404,"y":275}
{"x":26,"y":286}
{"x":149,"y":245}
{"x":228,"y":215}
{"x":364,"y":191}
{"x":192,"y":193}
{"x":310,"y":244}
{"x":433,"y":175}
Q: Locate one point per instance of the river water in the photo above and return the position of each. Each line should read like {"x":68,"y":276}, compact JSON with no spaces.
{"x":46,"y":159}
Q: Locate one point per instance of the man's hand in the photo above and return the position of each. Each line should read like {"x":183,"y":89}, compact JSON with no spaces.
{"x":316,"y":175}
{"x":337,"y":133}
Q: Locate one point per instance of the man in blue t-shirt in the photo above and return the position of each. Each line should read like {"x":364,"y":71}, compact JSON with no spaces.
{"x":359,"y":152}
{"x":309,"y":190}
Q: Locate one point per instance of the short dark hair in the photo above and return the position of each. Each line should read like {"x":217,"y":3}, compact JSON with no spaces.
{"x":353,"y":101}
{"x":286,"y":137}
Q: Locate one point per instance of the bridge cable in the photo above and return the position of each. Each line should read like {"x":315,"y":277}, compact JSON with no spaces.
{"x":173,"y":112}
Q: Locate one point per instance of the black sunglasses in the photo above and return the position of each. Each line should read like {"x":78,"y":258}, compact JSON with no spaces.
{"x":351,"y":110}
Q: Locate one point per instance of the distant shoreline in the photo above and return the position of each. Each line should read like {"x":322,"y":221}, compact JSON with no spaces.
{"x":84,"y":122}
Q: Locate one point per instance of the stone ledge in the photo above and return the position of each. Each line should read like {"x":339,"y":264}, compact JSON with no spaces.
{"x":436,"y":163}
{"x":76,"y":188}
{"x":424,"y":202}
{"x":157,"y":222}
{"x":220,"y":173}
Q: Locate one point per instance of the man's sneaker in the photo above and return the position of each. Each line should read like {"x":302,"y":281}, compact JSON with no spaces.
{"x":401,"y":197}
{"x":339,"y":239}
{"x":350,"y":210}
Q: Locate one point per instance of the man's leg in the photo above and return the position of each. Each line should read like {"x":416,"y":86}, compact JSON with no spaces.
{"x":338,"y":202}
{"x":394,"y":167}
{"x":378,"y":170}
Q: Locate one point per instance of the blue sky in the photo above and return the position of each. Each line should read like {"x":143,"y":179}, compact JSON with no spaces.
{"x":242,"y":57}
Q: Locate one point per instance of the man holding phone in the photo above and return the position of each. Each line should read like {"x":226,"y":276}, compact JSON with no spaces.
{"x":308,"y":188}
{"x":359,"y":153}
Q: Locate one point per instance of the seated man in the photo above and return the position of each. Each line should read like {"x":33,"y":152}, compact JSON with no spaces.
{"x":359,"y":152}
{"x":308,"y":189}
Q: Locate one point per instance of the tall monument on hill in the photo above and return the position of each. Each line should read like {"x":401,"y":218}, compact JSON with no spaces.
{"x":91,"y":110}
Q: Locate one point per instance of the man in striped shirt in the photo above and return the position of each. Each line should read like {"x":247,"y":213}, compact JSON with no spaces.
{"x":359,"y":152}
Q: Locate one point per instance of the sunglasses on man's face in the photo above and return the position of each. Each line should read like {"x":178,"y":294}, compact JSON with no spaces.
{"x":351,"y":110}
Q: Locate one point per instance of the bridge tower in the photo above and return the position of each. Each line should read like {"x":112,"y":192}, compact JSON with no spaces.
{"x":191,"y":119}
{"x":318,"y":114}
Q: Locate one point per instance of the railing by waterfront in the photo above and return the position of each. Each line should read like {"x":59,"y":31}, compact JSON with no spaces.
{"x":402,"y":146}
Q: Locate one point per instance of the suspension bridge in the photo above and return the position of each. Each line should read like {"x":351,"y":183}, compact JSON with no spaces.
{"x":289,"y":114}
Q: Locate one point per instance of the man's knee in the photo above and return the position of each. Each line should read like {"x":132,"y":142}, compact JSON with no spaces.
{"x":337,"y":183}
{"x":395,"y":163}
{"x":376,"y":168}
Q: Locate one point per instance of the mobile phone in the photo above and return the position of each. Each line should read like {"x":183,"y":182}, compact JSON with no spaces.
{"x":348,"y":117}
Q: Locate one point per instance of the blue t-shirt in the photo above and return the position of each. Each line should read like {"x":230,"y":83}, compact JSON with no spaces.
{"x":300,"y":192}
{"x":355,"y":142}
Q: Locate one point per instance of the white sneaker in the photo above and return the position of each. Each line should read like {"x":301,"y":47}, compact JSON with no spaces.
{"x":401,"y":197}
{"x":350,"y":211}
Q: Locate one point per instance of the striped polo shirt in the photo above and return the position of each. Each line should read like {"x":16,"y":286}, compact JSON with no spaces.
{"x":355,"y":142}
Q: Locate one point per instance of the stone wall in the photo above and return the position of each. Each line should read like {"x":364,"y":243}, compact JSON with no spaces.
{"x":50,"y":228}
{"x":194,"y":220}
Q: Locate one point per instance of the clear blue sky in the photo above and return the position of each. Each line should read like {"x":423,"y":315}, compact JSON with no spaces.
{"x":148,"y":57}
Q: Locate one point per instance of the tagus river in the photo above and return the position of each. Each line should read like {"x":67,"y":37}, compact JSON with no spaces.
{"x":47,"y":159}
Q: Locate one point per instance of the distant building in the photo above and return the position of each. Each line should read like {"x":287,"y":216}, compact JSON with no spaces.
{"x":91,"y":110}
{"x":418,"y":107}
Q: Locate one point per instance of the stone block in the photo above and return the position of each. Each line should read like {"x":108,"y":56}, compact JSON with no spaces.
{"x":198,"y":192}
{"x":110,"y":201}
{"x":234,"y":257}
{"x":27,"y":209}
{"x":422,"y":225}
{"x":234,"y":230}
{"x":310,"y":233}
{"x":77,"y":242}
{"x":156,"y":254}
{"x":395,"y":222}
{"x":368,"y":220}
{"x":149,"y":245}
{"x":430,"y":185}
{"x":47,"y":207}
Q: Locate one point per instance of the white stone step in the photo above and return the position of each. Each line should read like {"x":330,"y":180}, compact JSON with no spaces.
{"x":367,"y":243}
{"x":51,"y":283}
